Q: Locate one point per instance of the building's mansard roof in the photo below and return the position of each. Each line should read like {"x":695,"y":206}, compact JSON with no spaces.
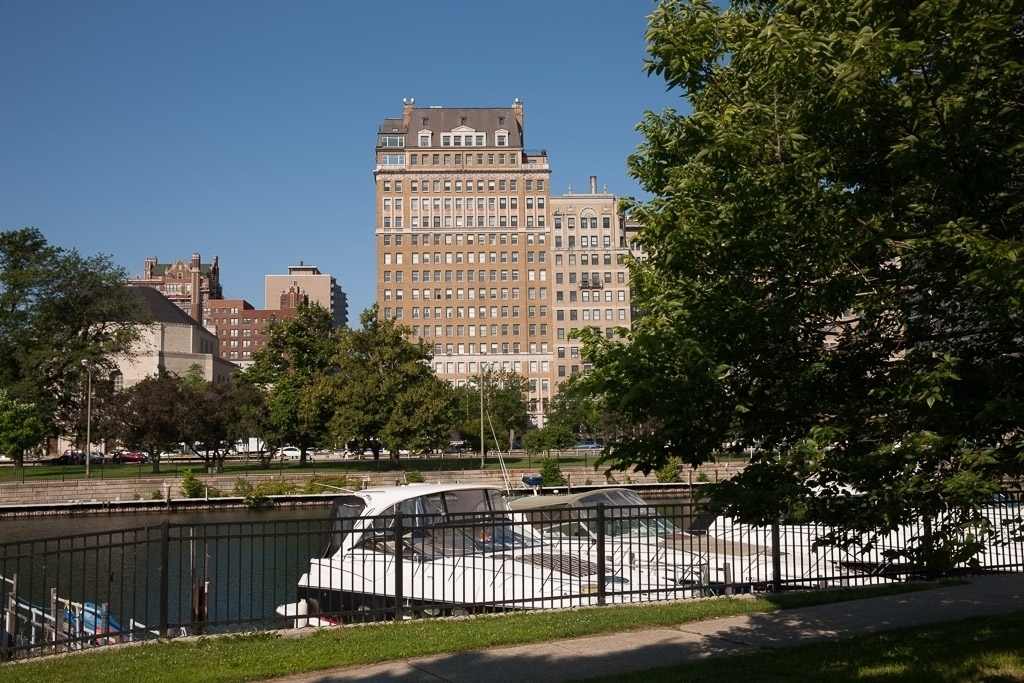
{"x":444,"y":120}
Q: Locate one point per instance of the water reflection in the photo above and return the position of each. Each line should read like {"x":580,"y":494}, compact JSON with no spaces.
{"x":35,"y":528}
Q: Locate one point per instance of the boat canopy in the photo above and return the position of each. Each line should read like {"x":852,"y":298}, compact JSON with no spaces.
{"x":571,"y":515}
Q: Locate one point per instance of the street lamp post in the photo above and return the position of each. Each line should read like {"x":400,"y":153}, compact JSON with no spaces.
{"x":88,"y":416}
{"x":483,"y":457}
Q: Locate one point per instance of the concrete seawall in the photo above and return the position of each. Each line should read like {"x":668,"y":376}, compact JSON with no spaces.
{"x":102,"y":494}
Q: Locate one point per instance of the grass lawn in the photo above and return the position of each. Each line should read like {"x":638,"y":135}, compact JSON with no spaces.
{"x":989,"y":645}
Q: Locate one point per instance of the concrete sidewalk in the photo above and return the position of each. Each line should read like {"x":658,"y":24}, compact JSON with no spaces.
{"x":618,"y":653}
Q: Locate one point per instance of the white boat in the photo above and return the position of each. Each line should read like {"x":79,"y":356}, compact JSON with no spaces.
{"x":435,"y":549}
{"x":990,"y":535}
{"x":658,"y":559}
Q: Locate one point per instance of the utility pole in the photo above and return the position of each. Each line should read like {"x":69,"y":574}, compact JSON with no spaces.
{"x":483,"y":458}
{"x":88,"y":416}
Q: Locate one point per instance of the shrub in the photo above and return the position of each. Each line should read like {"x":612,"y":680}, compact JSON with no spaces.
{"x":329,"y":484}
{"x":669,"y":472}
{"x":255,"y":501}
{"x":550,"y":473}
{"x":274,"y":488}
{"x":242,"y":487}
{"x":413,"y":477}
{"x":191,"y":487}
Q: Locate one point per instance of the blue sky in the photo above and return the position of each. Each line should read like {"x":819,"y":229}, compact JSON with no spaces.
{"x":246,"y":129}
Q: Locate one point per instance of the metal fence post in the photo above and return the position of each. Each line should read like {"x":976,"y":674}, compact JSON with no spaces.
{"x":776,"y":557}
{"x":10,"y":623}
{"x":399,"y":578}
{"x":165,"y":555}
{"x":601,"y":591}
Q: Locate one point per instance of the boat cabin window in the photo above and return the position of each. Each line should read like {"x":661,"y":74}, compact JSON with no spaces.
{"x":344,"y":512}
{"x":450,"y":523}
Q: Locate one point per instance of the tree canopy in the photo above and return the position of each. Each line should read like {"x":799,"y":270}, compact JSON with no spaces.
{"x":505,"y":408}
{"x":296,"y":360}
{"x":57,"y":309}
{"x":834,"y":265}
{"x":384,"y":393}
{"x":20,"y":427}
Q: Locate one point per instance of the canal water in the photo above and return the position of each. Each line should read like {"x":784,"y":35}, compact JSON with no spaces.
{"x":35,"y":528}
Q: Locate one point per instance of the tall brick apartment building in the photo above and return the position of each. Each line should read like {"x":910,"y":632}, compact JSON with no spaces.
{"x":185,"y":283}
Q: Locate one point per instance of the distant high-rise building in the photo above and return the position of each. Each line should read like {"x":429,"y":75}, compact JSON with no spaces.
{"x":185,"y":283}
{"x":481,"y":261}
{"x":308,"y":283}
{"x":463,"y":240}
{"x":240,"y":328}
{"x":590,"y":244}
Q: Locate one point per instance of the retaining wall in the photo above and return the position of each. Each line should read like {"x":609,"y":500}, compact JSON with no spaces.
{"x":157,"y":487}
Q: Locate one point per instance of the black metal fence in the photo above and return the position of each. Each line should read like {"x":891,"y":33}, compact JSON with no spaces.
{"x":70,"y":593}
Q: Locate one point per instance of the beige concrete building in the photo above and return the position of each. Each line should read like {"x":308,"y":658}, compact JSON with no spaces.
{"x":589,"y":247}
{"x":477,"y":257}
{"x":172,"y":340}
{"x":306,"y":281}
{"x":463,"y":237}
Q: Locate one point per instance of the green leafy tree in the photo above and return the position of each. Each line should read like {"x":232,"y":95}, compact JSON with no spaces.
{"x":834,"y":261}
{"x":296,"y":360}
{"x":215,"y":419}
{"x":151,"y":415}
{"x":505,"y":408}
{"x":20,"y":428}
{"x":576,"y":409}
{"x":384,"y":393}
{"x":552,"y":437}
{"x":58,"y":308}
{"x":253,"y":420}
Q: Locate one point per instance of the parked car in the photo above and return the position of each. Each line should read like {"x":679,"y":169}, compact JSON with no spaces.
{"x":587,"y":445}
{"x":293,"y":453}
{"x":128,"y":457}
{"x":96,"y":458}
{"x":68,"y":457}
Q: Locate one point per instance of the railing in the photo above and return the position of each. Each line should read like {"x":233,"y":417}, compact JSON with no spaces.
{"x":170,"y":467}
{"x":70,"y":593}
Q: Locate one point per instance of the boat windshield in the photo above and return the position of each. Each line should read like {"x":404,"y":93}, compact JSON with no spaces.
{"x":452,"y":523}
{"x":344,"y":513}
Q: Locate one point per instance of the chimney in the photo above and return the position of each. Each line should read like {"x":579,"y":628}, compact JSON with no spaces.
{"x":593,"y":184}
{"x":408,"y":104}
{"x":196,"y":294}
